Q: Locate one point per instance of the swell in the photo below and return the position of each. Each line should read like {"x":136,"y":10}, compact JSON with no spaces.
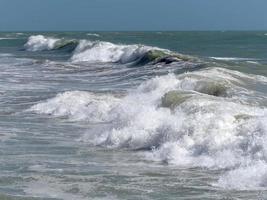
{"x":106,"y":52}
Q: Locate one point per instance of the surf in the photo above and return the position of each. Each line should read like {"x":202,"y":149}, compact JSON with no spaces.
{"x":106,"y":52}
{"x":42,"y":43}
{"x":203,"y":118}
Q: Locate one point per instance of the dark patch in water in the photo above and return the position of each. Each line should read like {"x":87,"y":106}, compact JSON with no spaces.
{"x":173,"y":99}
{"x":212,"y":88}
{"x":160,"y":57}
{"x":67,"y":46}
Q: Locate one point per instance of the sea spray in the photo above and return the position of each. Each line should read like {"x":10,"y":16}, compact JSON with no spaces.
{"x":202,"y":130}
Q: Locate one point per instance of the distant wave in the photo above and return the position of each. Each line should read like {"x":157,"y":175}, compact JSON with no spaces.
{"x":7,"y":38}
{"x":41,"y":43}
{"x":93,"y":34}
{"x":253,"y":62}
{"x":105,"y":52}
{"x":231,"y":59}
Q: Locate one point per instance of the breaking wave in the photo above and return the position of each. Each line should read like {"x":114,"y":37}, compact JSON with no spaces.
{"x":77,"y":106}
{"x":42,"y":43}
{"x":106,"y":52}
{"x":204,"y":118}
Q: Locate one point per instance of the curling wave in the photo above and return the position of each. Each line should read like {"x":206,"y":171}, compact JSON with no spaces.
{"x":100,"y":51}
{"x":106,"y":52}
{"x":42,"y":43}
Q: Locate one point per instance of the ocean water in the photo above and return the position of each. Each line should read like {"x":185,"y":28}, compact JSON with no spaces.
{"x":133,"y":115}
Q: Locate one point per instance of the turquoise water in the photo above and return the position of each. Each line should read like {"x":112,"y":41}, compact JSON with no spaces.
{"x":133,"y":115}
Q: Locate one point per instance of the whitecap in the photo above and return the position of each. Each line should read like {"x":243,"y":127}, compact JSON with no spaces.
{"x":100,"y":51}
{"x":40,"y":43}
{"x":43,"y":43}
{"x":231,"y":58}
{"x":78,"y":106}
{"x":93,"y":34}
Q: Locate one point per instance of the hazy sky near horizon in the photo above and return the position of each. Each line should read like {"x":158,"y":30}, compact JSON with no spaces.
{"x":92,"y":15}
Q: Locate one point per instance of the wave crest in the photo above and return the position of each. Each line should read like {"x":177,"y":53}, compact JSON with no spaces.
{"x":108,"y":52}
{"x":42,"y":43}
{"x":78,"y":106}
{"x":104,"y":52}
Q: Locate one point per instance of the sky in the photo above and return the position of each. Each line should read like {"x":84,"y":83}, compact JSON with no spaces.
{"x":132,"y":15}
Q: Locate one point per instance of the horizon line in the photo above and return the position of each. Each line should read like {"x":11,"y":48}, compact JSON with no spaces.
{"x":215,"y":30}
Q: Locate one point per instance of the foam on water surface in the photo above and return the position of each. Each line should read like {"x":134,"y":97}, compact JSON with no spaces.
{"x":126,"y":118}
{"x":40,"y":43}
{"x":108,"y":52}
{"x":205,"y":130}
{"x":43,"y":43}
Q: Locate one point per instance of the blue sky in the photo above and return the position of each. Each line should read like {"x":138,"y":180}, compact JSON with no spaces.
{"x":112,"y":15}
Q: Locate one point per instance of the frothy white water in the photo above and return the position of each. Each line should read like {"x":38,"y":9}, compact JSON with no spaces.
{"x":96,"y":51}
{"x":108,"y":52}
{"x":205,"y":129}
{"x":40,"y":43}
{"x":92,"y":51}
{"x":78,"y":106}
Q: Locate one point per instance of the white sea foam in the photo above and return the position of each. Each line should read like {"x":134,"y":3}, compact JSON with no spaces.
{"x":40,"y":43}
{"x":78,"y":105}
{"x":93,"y":51}
{"x":99,"y":51}
{"x":205,"y":130}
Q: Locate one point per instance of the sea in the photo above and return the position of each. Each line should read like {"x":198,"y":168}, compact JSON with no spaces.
{"x":133,"y":115}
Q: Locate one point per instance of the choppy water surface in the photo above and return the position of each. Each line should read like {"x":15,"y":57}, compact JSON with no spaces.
{"x":117,"y":115}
